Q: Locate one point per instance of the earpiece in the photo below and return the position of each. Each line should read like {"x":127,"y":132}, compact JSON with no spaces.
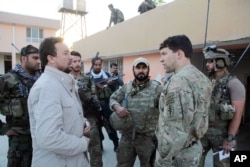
{"x":220,"y":64}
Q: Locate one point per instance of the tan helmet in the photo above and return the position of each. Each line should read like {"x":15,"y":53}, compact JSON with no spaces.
{"x":122,"y":124}
{"x":221,"y":57}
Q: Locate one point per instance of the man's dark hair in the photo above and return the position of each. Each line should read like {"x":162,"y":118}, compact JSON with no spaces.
{"x":75,"y":53}
{"x":95,"y":59}
{"x":177,"y":42}
{"x":47,"y":47}
{"x":113,"y":64}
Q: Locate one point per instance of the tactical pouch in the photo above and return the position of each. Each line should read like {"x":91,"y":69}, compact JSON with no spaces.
{"x":227,"y":112}
{"x":16,"y":107}
{"x":4,"y":108}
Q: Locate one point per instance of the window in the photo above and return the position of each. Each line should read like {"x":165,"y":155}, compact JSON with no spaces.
{"x":106,"y":64}
{"x":34,"y":35}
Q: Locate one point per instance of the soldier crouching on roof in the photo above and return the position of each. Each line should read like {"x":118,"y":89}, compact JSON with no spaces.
{"x":14,"y":91}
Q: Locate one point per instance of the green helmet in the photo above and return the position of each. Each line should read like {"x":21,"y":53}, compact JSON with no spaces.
{"x":119,"y":123}
{"x":211,"y":52}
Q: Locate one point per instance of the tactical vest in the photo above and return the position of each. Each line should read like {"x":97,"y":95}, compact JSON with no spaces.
{"x":105,"y":92}
{"x":15,"y":96}
{"x":86,"y":87}
{"x":220,"y":96}
{"x":143,"y":106}
{"x":87,"y":94}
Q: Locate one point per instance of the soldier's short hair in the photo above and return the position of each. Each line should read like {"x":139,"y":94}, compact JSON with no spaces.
{"x":177,"y":42}
{"x":75,"y":53}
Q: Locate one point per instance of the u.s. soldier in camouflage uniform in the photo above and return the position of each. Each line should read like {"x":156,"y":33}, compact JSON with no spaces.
{"x":138,"y":101}
{"x":91,"y":107}
{"x":227,"y":104}
{"x":183,"y":106}
{"x":14,"y":91}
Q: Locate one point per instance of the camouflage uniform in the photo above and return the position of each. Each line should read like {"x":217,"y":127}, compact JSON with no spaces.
{"x":145,"y":6}
{"x":116,"y":16}
{"x":218,"y":120}
{"x":142,"y":103}
{"x":91,"y":107}
{"x":183,"y":119}
{"x":14,"y":92}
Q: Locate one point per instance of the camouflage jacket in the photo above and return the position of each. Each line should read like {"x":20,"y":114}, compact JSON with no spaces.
{"x":183,"y":107}
{"x":116,"y":16}
{"x":142,"y":103}
{"x":87,"y":93}
{"x":14,"y":91}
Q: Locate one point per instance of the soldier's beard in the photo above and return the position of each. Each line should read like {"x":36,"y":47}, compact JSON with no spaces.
{"x":141,"y":76}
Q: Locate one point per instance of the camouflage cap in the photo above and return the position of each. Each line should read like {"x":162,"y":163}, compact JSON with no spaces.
{"x":119,"y":123}
{"x":140,"y":60}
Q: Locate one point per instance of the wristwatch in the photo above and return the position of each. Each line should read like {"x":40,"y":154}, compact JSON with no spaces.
{"x":230,"y":137}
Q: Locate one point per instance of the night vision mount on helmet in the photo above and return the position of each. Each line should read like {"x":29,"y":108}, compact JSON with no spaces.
{"x":221,"y":57}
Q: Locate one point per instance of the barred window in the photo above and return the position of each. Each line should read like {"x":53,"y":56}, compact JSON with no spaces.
{"x":106,"y":64}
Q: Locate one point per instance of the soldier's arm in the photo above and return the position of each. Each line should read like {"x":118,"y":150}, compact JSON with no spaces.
{"x":237,"y":94}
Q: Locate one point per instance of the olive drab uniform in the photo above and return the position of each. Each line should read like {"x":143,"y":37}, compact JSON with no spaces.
{"x":220,"y":113}
{"x":16,"y":85}
{"x":91,"y":107}
{"x":142,"y":103}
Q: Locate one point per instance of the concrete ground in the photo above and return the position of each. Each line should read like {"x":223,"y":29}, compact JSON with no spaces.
{"x":109,"y":157}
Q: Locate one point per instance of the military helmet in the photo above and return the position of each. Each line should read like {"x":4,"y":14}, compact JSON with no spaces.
{"x":118,"y":123}
{"x":212,"y":52}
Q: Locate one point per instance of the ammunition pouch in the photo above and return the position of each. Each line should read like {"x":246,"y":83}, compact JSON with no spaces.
{"x":226,"y":112}
{"x":14,"y":107}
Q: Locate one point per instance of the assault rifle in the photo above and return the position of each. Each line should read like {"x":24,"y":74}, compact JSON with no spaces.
{"x":101,"y":84}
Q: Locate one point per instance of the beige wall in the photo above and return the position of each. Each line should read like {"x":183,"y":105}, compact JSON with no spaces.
{"x":228,"y":20}
{"x":140,"y":36}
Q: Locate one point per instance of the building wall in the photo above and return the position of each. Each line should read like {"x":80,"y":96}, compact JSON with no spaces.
{"x":228,"y":20}
{"x":13,"y":30}
{"x":142,"y":35}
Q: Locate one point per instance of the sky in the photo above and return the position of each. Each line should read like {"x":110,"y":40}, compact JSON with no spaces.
{"x":97,"y":18}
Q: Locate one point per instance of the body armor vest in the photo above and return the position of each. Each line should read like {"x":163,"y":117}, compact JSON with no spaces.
{"x":143,"y":106}
{"x":220,"y":97}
